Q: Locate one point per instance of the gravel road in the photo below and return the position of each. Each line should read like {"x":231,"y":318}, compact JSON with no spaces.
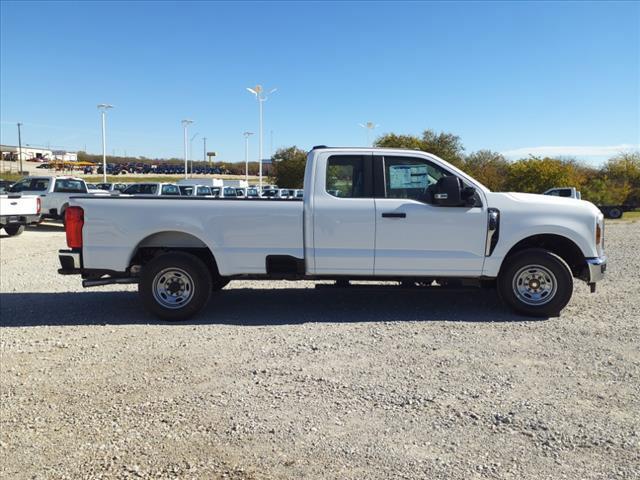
{"x":278,"y":380}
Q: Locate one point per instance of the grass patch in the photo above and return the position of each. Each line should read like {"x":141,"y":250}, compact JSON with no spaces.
{"x":633,"y":216}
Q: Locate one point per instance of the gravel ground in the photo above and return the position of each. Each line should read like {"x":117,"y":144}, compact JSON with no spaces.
{"x":277,"y":380}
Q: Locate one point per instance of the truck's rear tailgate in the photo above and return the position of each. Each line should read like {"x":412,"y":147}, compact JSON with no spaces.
{"x":239,"y":233}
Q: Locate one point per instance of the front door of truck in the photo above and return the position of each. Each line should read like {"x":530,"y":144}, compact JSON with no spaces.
{"x":417,"y":238}
{"x":343,"y":216}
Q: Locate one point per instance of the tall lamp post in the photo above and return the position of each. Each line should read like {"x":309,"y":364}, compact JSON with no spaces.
{"x":191,"y":150}
{"x":258,"y":91}
{"x":246,"y":157}
{"x":369,"y":126}
{"x":204,"y":150}
{"x":20,"y":147}
{"x":185,"y":126}
{"x":103,"y":107}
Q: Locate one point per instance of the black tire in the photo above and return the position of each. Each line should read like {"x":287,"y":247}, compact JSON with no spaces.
{"x":536,"y":283}
{"x":175,"y":286}
{"x":614,"y":212}
{"x":14,"y":229}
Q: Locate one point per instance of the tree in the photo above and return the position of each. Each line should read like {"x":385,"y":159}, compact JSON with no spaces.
{"x":445,"y":145}
{"x":535,"y":175}
{"x":624,"y":169}
{"x":489,"y":168}
{"x":289,"y":164}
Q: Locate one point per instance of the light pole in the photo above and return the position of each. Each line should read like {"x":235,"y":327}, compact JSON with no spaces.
{"x":185,"y":126}
{"x":246,"y":158}
{"x":191,"y":150}
{"x":20,"y":148}
{"x":258,"y":91}
{"x":103,"y":107}
{"x":204,"y":150}
{"x":370,"y":126}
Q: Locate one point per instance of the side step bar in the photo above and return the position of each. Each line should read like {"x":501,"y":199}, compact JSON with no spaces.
{"x":108,"y":281}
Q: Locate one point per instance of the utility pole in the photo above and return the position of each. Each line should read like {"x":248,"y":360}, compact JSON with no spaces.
{"x":20,"y":147}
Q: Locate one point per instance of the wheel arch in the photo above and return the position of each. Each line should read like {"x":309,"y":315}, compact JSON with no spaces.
{"x":562,"y":246}
{"x":173,"y":240}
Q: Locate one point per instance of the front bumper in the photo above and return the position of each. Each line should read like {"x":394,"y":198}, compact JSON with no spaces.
{"x":70,"y":262}
{"x":597,"y":267}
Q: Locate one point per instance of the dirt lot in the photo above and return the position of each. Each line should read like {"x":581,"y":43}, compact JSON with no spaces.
{"x":282,"y":381}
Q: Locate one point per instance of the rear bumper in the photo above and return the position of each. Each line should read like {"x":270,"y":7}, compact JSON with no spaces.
{"x":597,"y":267}
{"x":70,"y":262}
{"x":19,"y":219}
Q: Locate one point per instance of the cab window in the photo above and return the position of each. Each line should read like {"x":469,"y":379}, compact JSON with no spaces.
{"x":408,"y":177}
{"x":170,"y":190}
{"x":345,"y":176}
{"x":70,"y":186}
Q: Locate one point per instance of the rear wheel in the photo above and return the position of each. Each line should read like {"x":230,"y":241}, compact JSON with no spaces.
{"x":536,"y":282}
{"x":614,"y":212}
{"x":175,"y":286}
{"x":14,"y":229}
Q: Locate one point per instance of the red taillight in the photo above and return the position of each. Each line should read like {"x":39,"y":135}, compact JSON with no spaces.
{"x":74,"y":221}
{"x":38,"y":205}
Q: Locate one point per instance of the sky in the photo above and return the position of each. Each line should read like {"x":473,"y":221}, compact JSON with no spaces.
{"x":515,"y":77}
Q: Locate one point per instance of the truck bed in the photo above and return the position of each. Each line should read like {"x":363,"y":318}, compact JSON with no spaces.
{"x":243,"y":231}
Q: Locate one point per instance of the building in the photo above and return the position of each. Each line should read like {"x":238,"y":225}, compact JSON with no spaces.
{"x":39,"y":154}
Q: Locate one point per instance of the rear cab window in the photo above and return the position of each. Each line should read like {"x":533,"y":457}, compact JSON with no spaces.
{"x":68,"y":185}
{"x":346,"y":176}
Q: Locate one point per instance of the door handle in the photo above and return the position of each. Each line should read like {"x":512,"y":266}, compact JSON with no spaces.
{"x":394,"y":215}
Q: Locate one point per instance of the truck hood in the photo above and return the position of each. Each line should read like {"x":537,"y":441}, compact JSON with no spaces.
{"x":541,"y":202}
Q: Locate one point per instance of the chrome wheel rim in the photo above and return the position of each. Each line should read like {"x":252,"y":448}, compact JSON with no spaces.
{"x":535,"y":285}
{"x":173,"y":288}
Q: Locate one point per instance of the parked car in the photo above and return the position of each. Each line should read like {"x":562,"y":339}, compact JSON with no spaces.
{"x":112,"y":187}
{"x":17,"y":211}
{"x":252,"y":192}
{"x":152,"y":188}
{"x":428,"y":223}
{"x":609,"y":211}
{"x":299,"y":193}
{"x":54,"y":192}
{"x":195,"y":191}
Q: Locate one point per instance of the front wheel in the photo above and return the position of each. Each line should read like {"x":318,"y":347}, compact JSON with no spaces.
{"x":175,"y":286}
{"x":536,"y":283}
{"x":13,"y":229}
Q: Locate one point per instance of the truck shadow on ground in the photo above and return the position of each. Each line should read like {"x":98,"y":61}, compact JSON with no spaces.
{"x":261,"y":307}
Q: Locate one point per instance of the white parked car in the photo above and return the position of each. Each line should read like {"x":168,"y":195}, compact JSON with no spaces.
{"x":18,"y":211}
{"x":195,"y":191}
{"x":367,"y":214}
{"x":152,"y":189}
{"x":54,"y":192}
{"x":114,"y":188}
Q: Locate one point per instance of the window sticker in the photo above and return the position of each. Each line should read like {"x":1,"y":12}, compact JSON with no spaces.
{"x":408,"y":176}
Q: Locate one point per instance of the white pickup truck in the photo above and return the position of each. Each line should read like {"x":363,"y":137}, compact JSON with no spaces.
{"x":54,"y":192}
{"x":17,"y":211}
{"x":367,"y":214}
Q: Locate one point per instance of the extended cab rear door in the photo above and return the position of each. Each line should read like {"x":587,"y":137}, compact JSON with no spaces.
{"x":343,"y":215}
{"x":414,"y":237}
